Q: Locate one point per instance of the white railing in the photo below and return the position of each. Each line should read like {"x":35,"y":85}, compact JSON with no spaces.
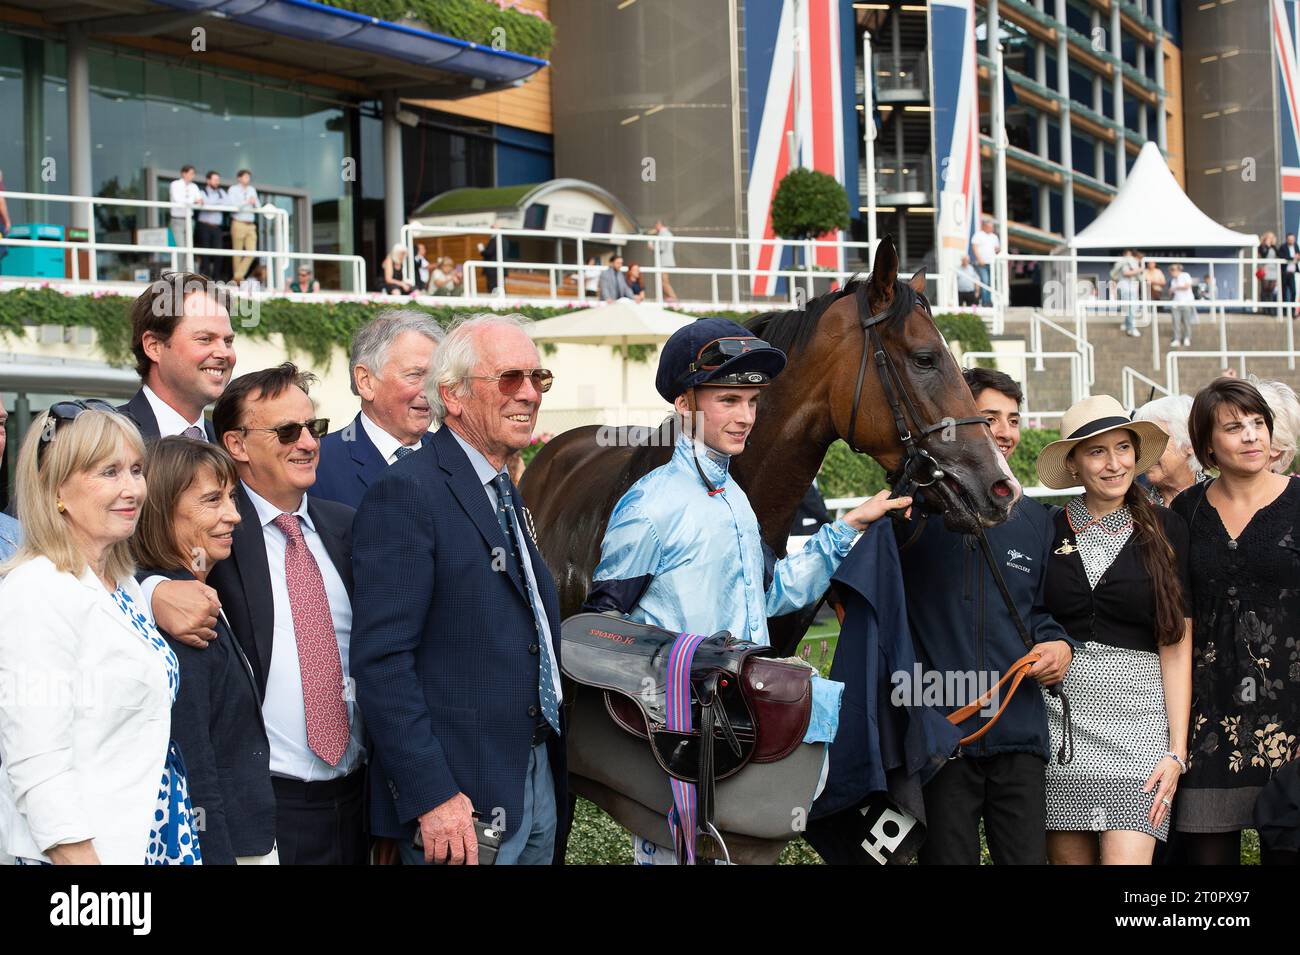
{"x":1173,"y":382}
{"x":1085,"y":348}
{"x":1078,"y":376}
{"x":1129,"y":379}
{"x":278,"y":256}
{"x":357,"y":263}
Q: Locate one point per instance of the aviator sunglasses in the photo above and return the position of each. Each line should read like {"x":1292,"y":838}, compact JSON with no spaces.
{"x":289,"y":433}
{"x":722,"y":350}
{"x":511,"y":381}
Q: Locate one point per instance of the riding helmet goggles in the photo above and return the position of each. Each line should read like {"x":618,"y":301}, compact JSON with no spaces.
{"x":715,"y":352}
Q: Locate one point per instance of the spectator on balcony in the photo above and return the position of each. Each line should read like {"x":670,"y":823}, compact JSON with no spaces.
{"x":488,"y":253}
{"x":1180,"y":290}
{"x":390,"y":279}
{"x":591,"y":276}
{"x":210,"y":232}
{"x":613,"y":286}
{"x":1290,"y":254}
{"x":1268,"y":253}
{"x":421,"y":269}
{"x":967,"y":283}
{"x":304,"y":282}
{"x":1153,"y":280}
{"x":446,"y":278}
{"x":5,"y":222}
{"x":634,"y":282}
{"x":1125,"y":274}
{"x":256,"y":281}
{"x":984,"y":247}
{"x":184,"y":194}
{"x":667,"y":259}
{"x":243,"y":224}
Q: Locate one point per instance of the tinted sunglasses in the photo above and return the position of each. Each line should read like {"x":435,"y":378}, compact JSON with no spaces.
{"x":511,"y":381}
{"x":289,"y":433}
{"x":722,"y":350}
{"x":60,"y":413}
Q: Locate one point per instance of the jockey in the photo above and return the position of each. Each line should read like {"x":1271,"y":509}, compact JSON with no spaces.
{"x":682,"y":549}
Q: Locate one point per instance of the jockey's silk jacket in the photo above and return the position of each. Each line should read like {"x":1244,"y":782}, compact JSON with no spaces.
{"x":676,"y":557}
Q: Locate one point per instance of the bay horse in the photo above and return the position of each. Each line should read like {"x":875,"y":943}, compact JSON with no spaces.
{"x":573,"y":483}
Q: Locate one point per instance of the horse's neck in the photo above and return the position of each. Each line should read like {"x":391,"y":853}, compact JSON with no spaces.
{"x":776,"y":469}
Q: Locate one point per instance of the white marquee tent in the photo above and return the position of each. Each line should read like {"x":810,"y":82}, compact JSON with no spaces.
{"x":1151,"y":211}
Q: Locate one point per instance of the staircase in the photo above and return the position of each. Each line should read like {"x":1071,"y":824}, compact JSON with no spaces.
{"x":1049,"y":389}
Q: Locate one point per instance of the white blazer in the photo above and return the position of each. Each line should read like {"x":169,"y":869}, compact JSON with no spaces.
{"x":85,"y":717}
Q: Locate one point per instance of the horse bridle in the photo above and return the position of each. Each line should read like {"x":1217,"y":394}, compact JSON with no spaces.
{"x":919,"y":468}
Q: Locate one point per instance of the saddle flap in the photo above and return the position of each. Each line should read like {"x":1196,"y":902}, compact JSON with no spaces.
{"x":780,"y":698}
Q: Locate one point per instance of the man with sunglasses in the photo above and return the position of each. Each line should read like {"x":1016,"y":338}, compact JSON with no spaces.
{"x":456,"y":637}
{"x":682,"y":549}
{"x":286,"y":590}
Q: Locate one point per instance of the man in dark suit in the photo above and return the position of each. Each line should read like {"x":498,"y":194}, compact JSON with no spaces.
{"x":184,"y":349}
{"x":456,"y":650}
{"x":390,"y":360}
{"x":287,"y":591}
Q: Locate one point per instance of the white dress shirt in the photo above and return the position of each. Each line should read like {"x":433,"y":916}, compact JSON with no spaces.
{"x":984,"y":245}
{"x":486,"y":474}
{"x":283,"y":709}
{"x":384,"y":442}
{"x":183,"y":194}
{"x":170,"y":422}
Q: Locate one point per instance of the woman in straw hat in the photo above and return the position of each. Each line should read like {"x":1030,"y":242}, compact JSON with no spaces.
{"x":1116,"y":582}
{"x":1244,"y":564}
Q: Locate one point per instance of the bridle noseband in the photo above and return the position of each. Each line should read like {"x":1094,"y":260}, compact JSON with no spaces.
{"x":919,"y":468}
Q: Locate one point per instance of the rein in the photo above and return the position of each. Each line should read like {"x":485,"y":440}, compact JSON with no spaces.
{"x":919,"y":469}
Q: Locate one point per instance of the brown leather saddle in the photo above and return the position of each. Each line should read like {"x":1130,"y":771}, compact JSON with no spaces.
{"x":746,"y":706}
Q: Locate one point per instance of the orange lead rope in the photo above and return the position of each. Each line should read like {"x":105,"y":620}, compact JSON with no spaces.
{"x":1015,"y":675}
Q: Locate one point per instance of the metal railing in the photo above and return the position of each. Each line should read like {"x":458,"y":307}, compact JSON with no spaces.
{"x":1173,"y":382}
{"x":905,"y":72}
{"x":1078,"y":382}
{"x":277,"y":257}
{"x":1085,"y":348}
{"x":1128,"y":381}
{"x":912,"y":174}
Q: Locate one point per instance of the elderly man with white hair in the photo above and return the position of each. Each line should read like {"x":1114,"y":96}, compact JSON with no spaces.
{"x":390,"y":361}
{"x":1177,"y":468}
{"x":456,"y":626}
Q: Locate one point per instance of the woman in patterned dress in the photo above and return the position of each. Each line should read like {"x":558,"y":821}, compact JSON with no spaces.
{"x":87,"y":772}
{"x":1116,"y":583}
{"x":1245,"y":580}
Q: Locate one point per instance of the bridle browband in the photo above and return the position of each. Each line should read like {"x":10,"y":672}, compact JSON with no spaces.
{"x":919,"y":468}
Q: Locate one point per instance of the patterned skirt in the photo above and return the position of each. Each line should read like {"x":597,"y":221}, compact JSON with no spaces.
{"x":1121,"y":731}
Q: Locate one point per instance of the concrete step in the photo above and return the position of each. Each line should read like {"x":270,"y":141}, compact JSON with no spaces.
{"x":1049,"y":390}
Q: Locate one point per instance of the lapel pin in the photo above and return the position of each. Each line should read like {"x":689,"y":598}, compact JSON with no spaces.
{"x":1065,"y":548}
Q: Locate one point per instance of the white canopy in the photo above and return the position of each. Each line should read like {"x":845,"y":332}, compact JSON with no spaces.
{"x":1151,"y":211}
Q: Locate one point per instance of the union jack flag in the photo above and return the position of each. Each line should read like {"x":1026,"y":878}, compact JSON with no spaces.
{"x":1286,"y":47}
{"x":955,"y":99}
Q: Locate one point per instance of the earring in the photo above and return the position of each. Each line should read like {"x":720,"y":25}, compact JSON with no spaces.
{"x":59,"y":505}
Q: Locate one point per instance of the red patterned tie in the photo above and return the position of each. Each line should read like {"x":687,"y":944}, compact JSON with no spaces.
{"x":318,"y":647}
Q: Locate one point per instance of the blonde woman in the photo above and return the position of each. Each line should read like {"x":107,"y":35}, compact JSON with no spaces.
{"x":88,"y":773}
{"x":391,"y":281}
{"x":1284,"y":404}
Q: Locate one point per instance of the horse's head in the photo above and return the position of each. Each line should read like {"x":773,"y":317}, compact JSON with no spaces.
{"x":918,"y":379}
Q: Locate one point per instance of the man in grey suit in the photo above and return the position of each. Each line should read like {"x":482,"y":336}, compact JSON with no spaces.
{"x":613,"y":286}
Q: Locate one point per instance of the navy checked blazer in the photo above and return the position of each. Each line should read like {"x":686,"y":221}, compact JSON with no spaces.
{"x":349,"y":463}
{"x":444,"y":649}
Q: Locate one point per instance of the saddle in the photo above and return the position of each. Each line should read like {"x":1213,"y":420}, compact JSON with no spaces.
{"x":757,"y":707}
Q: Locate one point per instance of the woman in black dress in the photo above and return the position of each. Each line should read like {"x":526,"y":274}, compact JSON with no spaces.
{"x":1245,"y":578}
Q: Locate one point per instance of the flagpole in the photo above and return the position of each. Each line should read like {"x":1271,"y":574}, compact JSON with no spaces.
{"x":1000,"y":164}
{"x":869,"y":136}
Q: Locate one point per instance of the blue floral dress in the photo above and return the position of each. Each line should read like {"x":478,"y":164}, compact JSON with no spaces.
{"x":172,"y":837}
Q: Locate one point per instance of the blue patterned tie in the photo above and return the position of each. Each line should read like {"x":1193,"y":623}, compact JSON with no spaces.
{"x":402,"y":451}
{"x":507,"y":518}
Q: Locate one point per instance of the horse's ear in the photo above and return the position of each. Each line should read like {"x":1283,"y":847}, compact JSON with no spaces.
{"x":884,"y":271}
{"x":917,"y":281}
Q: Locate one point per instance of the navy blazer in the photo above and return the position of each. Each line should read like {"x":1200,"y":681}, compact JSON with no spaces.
{"x":444,"y":650}
{"x":349,"y":463}
{"x":217,"y":724}
{"x":243,"y":580}
{"x":140,"y":411}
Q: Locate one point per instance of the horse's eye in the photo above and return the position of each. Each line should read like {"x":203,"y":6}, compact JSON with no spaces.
{"x":923,"y":360}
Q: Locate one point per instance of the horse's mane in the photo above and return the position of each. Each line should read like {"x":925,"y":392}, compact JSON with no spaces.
{"x":791,"y":330}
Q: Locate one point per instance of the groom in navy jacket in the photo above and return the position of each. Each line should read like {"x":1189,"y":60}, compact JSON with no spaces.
{"x":456,"y":625}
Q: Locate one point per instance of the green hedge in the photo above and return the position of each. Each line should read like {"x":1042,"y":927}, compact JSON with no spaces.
{"x":310,"y":328}
{"x":472,"y":20}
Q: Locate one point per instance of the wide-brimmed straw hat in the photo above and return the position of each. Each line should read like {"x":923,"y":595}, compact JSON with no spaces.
{"x":1087,"y":419}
